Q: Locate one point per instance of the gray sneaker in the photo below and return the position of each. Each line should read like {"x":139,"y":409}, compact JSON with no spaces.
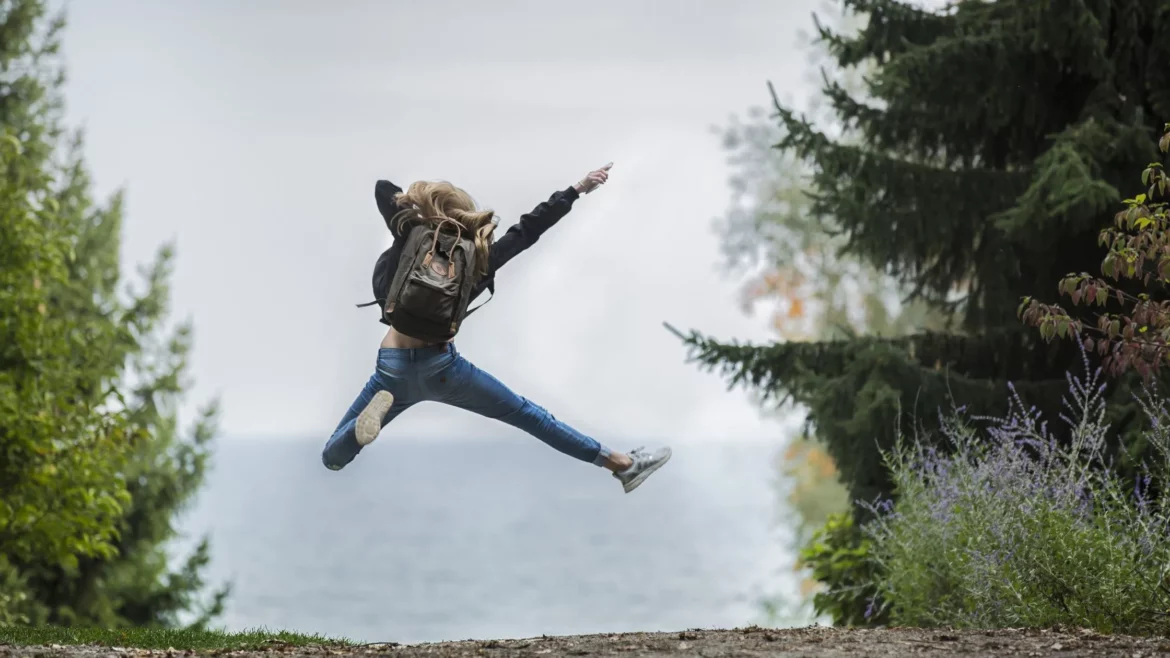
{"x":369,"y":421}
{"x":644,"y":464}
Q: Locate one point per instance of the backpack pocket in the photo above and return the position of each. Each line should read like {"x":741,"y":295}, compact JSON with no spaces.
{"x":430,"y":296}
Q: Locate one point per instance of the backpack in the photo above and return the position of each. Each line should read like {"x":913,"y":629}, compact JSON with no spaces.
{"x":431,"y":289}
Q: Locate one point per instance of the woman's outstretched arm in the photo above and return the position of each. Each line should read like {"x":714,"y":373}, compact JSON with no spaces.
{"x":533,"y":224}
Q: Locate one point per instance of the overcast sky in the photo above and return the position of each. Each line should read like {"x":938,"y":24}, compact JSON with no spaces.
{"x":251,"y":134}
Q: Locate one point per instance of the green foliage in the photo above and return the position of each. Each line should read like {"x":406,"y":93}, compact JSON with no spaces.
{"x":839,"y":556}
{"x":855,"y":389}
{"x":93,"y":465}
{"x":976,"y":168}
{"x":162,"y":639}
{"x":1013,"y":528}
{"x":1133,"y":329}
{"x":14,"y":595}
{"x":62,"y":485}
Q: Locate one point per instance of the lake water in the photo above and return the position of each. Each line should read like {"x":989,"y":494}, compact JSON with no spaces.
{"x":441,"y":540}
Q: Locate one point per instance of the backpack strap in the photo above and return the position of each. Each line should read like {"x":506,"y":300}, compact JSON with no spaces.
{"x":491,"y":288}
{"x":367,"y":304}
{"x":459,"y":228}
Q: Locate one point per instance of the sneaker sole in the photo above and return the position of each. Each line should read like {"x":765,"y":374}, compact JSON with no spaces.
{"x":369,"y":421}
{"x":633,"y":484}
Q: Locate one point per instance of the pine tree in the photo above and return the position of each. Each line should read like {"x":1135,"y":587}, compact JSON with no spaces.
{"x":93,"y":465}
{"x":986,"y":154}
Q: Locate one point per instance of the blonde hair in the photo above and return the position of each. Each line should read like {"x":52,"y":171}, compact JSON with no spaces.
{"x":434,"y":202}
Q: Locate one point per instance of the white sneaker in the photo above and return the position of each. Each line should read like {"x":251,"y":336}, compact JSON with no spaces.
{"x":644,"y":464}
{"x":369,"y":421}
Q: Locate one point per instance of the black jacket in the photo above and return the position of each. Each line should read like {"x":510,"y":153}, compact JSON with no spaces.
{"x":518,"y":237}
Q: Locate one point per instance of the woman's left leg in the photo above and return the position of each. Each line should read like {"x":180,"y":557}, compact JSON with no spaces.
{"x":467,"y":387}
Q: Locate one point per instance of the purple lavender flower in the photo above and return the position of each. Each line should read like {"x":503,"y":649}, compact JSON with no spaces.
{"x":1017,"y":520}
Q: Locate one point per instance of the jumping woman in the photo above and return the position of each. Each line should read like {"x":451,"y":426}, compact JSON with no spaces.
{"x":443,"y":257}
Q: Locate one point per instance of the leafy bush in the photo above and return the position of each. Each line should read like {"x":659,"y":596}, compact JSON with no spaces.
{"x":840,"y":558}
{"x":1011,"y":528}
{"x":14,"y":598}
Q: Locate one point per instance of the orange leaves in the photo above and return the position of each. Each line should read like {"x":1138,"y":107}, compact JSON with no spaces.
{"x":810,"y":586}
{"x":816,"y":488}
{"x":790,"y":289}
{"x":821,"y":463}
{"x":781,"y":282}
{"x":777,"y":283}
{"x":796,"y":308}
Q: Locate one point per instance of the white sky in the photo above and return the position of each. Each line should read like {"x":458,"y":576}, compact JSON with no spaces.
{"x":251,"y":133}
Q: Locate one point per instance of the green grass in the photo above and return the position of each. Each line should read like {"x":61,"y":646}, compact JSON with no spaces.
{"x":148,"y":638}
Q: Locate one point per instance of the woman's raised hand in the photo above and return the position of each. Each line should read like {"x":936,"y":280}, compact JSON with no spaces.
{"x":593,"y":180}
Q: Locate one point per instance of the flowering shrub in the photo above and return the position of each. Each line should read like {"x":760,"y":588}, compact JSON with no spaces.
{"x":1011,"y":529}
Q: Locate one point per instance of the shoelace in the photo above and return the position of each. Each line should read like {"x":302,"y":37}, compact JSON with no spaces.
{"x":638,"y":455}
{"x":638,"y":458}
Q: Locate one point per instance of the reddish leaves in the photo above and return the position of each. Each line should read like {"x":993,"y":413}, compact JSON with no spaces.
{"x":1136,"y":333}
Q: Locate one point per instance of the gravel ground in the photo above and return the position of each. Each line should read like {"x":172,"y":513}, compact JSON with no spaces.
{"x":811,"y":642}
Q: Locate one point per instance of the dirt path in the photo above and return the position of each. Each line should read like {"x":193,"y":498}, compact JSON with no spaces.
{"x":809,"y":642}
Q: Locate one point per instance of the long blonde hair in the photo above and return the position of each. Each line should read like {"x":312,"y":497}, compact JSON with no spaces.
{"x":435,"y":201}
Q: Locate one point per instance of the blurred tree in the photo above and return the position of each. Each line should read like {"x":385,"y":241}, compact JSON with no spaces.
{"x":815,"y":291}
{"x":93,"y":468}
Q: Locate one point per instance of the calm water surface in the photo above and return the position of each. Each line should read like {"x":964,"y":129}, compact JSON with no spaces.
{"x":440,"y":540}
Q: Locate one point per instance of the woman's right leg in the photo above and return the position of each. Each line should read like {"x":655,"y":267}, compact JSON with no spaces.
{"x":373,"y":409}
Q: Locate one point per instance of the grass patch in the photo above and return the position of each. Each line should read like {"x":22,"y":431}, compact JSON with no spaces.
{"x":150,"y":638}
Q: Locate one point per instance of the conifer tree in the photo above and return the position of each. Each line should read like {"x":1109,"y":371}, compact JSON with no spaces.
{"x":986,"y":153}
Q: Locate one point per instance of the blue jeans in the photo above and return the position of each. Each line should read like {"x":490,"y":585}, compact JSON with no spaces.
{"x":440,"y":374}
